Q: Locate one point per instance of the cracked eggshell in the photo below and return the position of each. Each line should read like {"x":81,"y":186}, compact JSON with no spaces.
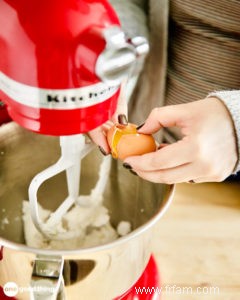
{"x":124,"y":141}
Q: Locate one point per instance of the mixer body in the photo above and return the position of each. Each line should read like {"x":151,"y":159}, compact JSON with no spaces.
{"x":49,"y":51}
{"x":62,"y":63}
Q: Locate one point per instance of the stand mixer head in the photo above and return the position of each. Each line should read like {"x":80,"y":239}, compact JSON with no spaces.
{"x":61,"y":67}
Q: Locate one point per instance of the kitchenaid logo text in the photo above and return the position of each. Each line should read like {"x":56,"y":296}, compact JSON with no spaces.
{"x":71,"y":98}
{"x":55,"y":98}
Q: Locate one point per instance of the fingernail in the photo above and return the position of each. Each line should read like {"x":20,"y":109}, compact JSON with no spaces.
{"x":133,"y":172}
{"x":191,"y":181}
{"x":122,"y":119}
{"x":140,"y":126}
{"x":102,"y":151}
{"x":88,"y":140}
{"x":127,"y":166}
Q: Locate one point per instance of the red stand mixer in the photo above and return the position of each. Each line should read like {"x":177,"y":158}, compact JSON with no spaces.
{"x":62,"y":64}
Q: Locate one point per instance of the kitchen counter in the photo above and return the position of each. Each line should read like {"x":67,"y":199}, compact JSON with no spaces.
{"x":197,"y":243}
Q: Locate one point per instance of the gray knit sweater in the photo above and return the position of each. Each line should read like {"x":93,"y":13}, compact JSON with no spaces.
{"x":232,"y":101}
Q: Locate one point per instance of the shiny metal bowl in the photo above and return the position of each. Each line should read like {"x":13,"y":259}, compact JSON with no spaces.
{"x":101,"y":272}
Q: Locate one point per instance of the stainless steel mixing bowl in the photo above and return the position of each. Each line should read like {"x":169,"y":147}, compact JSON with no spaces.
{"x":99,"y":273}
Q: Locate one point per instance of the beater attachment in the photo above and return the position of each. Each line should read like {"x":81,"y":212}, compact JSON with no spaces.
{"x":73,"y":150}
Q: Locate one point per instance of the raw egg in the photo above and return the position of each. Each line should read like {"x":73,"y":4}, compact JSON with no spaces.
{"x":124,"y":141}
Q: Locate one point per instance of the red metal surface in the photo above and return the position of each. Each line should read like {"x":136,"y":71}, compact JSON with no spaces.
{"x":4,"y":116}
{"x":149,"y":278}
{"x":62,"y":122}
{"x":54,"y":45}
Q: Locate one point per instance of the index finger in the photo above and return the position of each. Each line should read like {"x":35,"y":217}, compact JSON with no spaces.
{"x":170,"y":156}
{"x":167,"y":116}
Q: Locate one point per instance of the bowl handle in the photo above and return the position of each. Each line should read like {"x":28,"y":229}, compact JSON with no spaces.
{"x":47,"y":279}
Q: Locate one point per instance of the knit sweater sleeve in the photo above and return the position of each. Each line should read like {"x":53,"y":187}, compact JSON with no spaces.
{"x":231,"y":99}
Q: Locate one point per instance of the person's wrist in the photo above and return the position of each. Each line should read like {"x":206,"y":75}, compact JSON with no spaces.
{"x":222,"y":108}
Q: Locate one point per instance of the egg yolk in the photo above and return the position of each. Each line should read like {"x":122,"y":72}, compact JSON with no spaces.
{"x":117,"y":134}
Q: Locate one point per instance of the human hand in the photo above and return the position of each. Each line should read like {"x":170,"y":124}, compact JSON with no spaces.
{"x":98,"y":135}
{"x":207,"y":152}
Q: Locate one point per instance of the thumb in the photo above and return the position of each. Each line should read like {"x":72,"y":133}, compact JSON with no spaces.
{"x":168,"y":116}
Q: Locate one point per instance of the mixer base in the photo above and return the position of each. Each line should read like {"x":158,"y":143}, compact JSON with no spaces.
{"x":149,"y":279}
